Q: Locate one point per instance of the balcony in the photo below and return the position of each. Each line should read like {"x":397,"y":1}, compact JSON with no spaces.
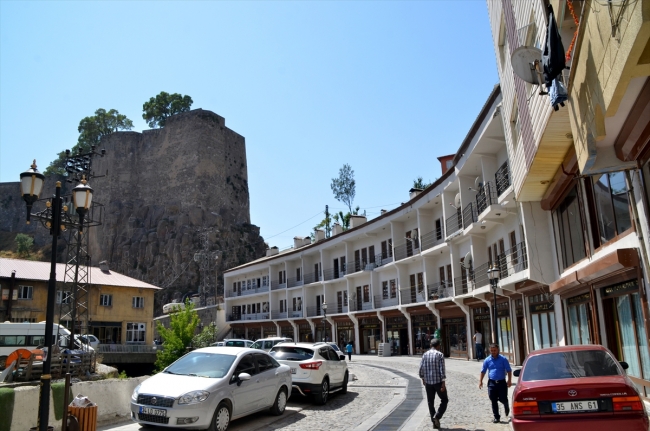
{"x":245,"y":292}
{"x":461,"y":285}
{"x":252,"y":316}
{"x":440,"y":290}
{"x":332,"y":274}
{"x":294,"y":282}
{"x":469,"y":215}
{"x":454,"y":223}
{"x":275,"y":285}
{"x":314,"y":311}
{"x":296,"y":313}
{"x":479,"y":275}
{"x":412,"y":295}
{"x":383,"y":259}
{"x":356,"y":306}
{"x":433,"y":238}
{"x":513,"y":260}
{"x":340,"y":308}
{"x":502,"y":178}
{"x":487,"y":195}
{"x":313,"y":277}
{"x":382,"y":302}
{"x":277,"y":314}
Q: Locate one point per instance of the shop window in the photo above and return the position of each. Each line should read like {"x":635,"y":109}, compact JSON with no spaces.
{"x":569,"y":230}
{"x":580,"y":319}
{"x":612,"y":205}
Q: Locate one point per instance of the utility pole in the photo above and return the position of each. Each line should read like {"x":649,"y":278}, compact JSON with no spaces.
{"x":328,"y":229}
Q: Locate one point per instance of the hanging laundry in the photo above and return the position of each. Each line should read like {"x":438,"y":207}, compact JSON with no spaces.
{"x":553,"y":58}
{"x":557,"y":93}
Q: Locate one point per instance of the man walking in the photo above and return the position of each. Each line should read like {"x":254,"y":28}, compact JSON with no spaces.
{"x":478,"y":343}
{"x":497,"y":366}
{"x":349,"y":348}
{"x":432,"y":373}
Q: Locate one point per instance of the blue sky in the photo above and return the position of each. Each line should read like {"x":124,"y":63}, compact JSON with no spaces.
{"x":386,"y":87}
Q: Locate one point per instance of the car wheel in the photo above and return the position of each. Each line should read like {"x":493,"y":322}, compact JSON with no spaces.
{"x":344,"y":388}
{"x":280,"y":402}
{"x":221,"y":418}
{"x":324,"y":392}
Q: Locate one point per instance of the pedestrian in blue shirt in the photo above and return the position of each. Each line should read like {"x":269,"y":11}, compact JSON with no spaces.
{"x":497,"y":366}
{"x":349,"y":348}
{"x":432,"y":373}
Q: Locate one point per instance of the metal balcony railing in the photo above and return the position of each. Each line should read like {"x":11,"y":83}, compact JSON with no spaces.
{"x":381,"y":259}
{"x":513,"y":260}
{"x":297,"y":313}
{"x":454,"y":223}
{"x":312,"y":277}
{"x":275,"y":285}
{"x":461,"y":285}
{"x":332,"y":274}
{"x":502,"y":178}
{"x":251,"y":316}
{"x":469,"y":215}
{"x":486,"y":196}
{"x":400,"y":252}
{"x":411,"y":295}
{"x":244,"y":292}
{"x":234,"y":317}
{"x":439,"y":290}
{"x":277,"y":314}
{"x":294,"y":281}
{"x":340,"y":308}
{"x":382,"y":302}
{"x":432,"y":238}
{"x":314,"y":311}
{"x":480,"y":275}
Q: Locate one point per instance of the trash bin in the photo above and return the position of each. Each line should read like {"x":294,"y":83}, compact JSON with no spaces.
{"x":87,"y":417}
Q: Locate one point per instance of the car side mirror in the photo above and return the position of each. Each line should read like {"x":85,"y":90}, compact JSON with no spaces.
{"x":516,"y":373}
{"x":341,"y":357}
{"x":624,"y":365}
{"x":242,"y":377}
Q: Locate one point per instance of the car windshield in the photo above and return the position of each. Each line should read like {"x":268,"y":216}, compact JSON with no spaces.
{"x":235,"y":343}
{"x":569,"y":365}
{"x":257,"y":345}
{"x":291,"y":353}
{"x":201,"y":364}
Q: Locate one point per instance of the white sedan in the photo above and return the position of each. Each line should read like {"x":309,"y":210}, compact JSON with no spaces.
{"x":209,"y":387}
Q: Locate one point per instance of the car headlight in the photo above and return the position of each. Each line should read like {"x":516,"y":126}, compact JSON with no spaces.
{"x":193,"y":397}
{"x":136,"y":391}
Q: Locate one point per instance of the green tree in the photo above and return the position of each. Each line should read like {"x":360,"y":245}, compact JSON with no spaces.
{"x":91,"y":130}
{"x":344,"y":219}
{"x":206,"y":337}
{"x":420,"y":184}
{"x":24,"y":244}
{"x":164,"y":105}
{"x":344,"y":187}
{"x":178,"y":337}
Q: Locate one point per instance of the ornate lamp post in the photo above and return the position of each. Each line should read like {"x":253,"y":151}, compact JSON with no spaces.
{"x":324,"y":320}
{"x":493,"y":275}
{"x":55,"y":218}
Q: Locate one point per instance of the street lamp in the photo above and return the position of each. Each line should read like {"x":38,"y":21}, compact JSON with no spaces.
{"x":493,"y":275}
{"x":55,"y":218}
{"x":324,"y":320}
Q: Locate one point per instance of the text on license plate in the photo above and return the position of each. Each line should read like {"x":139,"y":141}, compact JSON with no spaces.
{"x":575,"y":406}
{"x":293,"y":371}
{"x":153,"y":412}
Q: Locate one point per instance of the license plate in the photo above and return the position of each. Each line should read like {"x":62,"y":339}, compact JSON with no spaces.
{"x":293,"y":371}
{"x":575,"y":406}
{"x":153,"y":412}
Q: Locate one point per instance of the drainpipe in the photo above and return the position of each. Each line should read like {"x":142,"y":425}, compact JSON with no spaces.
{"x":11,"y":294}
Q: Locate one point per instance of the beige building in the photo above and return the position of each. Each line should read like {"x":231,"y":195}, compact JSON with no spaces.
{"x":120,"y":308}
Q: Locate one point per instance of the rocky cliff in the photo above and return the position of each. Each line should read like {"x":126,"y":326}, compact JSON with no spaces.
{"x":163,"y":188}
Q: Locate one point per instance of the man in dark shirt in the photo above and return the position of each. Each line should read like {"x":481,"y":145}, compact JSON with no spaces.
{"x":497,"y":366}
{"x":432,"y":373}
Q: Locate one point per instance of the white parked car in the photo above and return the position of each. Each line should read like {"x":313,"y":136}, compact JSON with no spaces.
{"x":267,"y":343}
{"x":88,"y":339}
{"x":234,"y":342}
{"x":209,"y":387}
{"x":316,"y":369}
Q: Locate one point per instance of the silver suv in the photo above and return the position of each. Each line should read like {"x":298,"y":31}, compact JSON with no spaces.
{"x":267,"y":343}
{"x":316,"y":369}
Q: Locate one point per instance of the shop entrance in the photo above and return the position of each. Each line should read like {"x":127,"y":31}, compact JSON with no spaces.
{"x":454,"y":337}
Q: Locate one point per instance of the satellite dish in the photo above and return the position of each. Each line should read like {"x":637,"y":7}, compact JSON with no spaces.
{"x":468,"y":261}
{"x":523,"y":62}
{"x":457,"y":201}
{"x":478,"y":183}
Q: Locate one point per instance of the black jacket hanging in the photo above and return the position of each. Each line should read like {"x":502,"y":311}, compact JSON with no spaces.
{"x":553,"y":58}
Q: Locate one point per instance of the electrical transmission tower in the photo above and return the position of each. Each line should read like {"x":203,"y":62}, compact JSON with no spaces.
{"x":73,"y":295}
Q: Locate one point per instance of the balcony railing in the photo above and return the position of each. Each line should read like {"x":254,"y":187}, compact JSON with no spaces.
{"x":441,"y":289}
{"x":487,"y":195}
{"x":469,"y":215}
{"x":381,"y":259}
{"x":275,"y":285}
{"x":513,"y":260}
{"x":502,"y":178}
{"x":297,"y":313}
{"x":340,"y":308}
{"x":277,"y":314}
{"x":454,"y":223}
{"x":411,"y":295}
{"x":381,"y":302}
{"x":312,"y":277}
{"x":252,"y":316}
{"x":294,"y":281}
{"x":432,"y":238}
{"x":332,"y":274}
{"x":314,"y":311}
{"x":480,"y":275}
{"x":461,"y":285}
{"x":244,"y":292}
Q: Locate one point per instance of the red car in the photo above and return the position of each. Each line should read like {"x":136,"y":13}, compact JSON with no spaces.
{"x":576,"y":388}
